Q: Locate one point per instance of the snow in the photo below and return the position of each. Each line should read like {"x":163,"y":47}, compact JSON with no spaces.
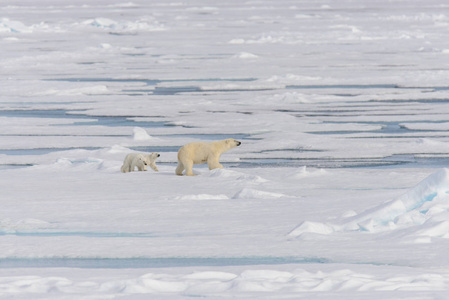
{"x":213,"y":284}
{"x":340,"y":188}
{"x":140,"y":134}
{"x":423,"y":209}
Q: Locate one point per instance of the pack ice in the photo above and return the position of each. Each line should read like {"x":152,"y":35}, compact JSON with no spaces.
{"x":339,"y":190}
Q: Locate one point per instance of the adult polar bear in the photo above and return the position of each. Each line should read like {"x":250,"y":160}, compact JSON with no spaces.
{"x":200,"y":153}
{"x":141,"y":161}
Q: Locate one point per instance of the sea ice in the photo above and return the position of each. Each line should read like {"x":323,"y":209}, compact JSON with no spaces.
{"x":339,"y":190}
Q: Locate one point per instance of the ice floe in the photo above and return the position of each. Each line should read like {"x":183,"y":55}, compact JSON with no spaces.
{"x":7,"y":25}
{"x":136,"y":26}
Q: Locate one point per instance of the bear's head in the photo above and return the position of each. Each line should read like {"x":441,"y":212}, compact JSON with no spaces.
{"x":231,"y":143}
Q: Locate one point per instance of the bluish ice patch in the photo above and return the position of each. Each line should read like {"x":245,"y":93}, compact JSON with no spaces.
{"x":310,"y":162}
{"x":41,"y":151}
{"x":150,"y":81}
{"x":170,"y":90}
{"x":154,"y":82}
{"x":427,"y":198}
{"x":291,"y":150}
{"x":392,"y":128}
{"x":150,"y":262}
{"x":30,"y":103}
{"x":14,"y":166}
{"x":386,"y":128}
{"x":42,"y":113}
{"x":80,"y":233}
{"x":337,"y":132}
{"x":430,"y":197}
{"x":345,"y":86}
{"x":110,"y":121}
{"x":113,"y":121}
{"x":104,"y":79}
{"x":193,"y":89}
{"x":400,"y":160}
{"x":414,"y":161}
{"x":156,"y":148}
{"x":215,"y":136}
{"x":186,"y":89}
{"x":152,"y":88}
{"x":440,"y":88}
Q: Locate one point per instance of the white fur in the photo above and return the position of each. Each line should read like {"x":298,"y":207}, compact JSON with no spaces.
{"x":199,"y":153}
{"x":140,"y":160}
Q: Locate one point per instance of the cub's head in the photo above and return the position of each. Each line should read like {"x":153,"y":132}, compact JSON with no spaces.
{"x":153,"y":156}
{"x":231,"y":143}
{"x":143,"y":159}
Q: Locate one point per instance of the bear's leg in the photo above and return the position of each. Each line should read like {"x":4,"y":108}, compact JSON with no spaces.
{"x":124,"y":169}
{"x":141,"y":166}
{"x":188,"y":165}
{"x":153,"y":166}
{"x":127,"y":168}
{"x":179,"y":168}
{"x":213,"y":163}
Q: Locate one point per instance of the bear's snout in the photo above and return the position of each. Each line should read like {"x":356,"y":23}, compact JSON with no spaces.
{"x":158,"y":155}
{"x":238,"y":143}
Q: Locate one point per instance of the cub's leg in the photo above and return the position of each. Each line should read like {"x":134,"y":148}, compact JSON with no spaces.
{"x":125,"y":168}
{"x":153,"y":166}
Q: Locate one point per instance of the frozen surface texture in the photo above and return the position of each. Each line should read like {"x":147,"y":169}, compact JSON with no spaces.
{"x":340,"y":189}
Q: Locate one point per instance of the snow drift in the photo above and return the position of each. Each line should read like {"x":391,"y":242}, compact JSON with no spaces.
{"x":423,"y":211}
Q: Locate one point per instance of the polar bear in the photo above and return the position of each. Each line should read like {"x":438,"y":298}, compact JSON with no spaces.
{"x":199,"y":153}
{"x":140,"y":160}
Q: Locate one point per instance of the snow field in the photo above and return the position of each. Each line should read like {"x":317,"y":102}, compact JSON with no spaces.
{"x":93,"y":212}
{"x":261,"y":282}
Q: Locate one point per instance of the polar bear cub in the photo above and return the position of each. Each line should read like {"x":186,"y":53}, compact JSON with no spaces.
{"x":199,"y":153}
{"x":141,"y":161}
